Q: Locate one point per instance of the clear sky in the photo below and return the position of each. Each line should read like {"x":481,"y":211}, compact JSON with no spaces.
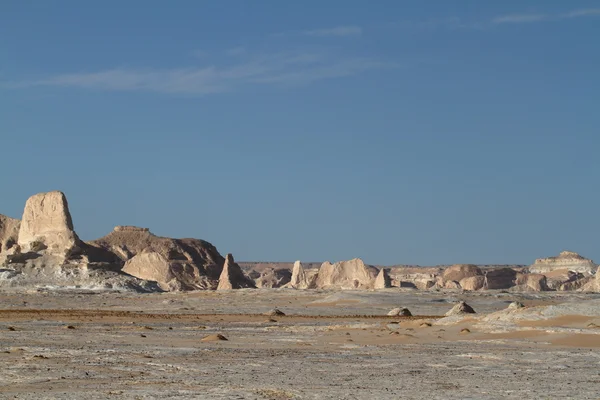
{"x":418,"y":132}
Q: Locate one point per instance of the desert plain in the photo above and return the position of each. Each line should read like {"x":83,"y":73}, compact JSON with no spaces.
{"x":86,"y":344}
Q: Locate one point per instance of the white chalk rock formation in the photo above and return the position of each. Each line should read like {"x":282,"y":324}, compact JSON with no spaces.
{"x":383,"y":280}
{"x":47,"y":224}
{"x":232,"y":276}
{"x":49,"y":254}
{"x":352,"y":274}
{"x":566,"y":260}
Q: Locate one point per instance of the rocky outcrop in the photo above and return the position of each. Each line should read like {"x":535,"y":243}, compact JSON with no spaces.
{"x":47,"y":224}
{"x":458,"y":272}
{"x":383,"y":280}
{"x":176,"y":264}
{"x":530,"y":283}
{"x":416,"y":277}
{"x":232,"y":276}
{"x":352,"y":274}
{"x":171,"y":275}
{"x":499,"y":278}
{"x":271,"y":278}
{"x":566,"y":260}
{"x":9,"y":233}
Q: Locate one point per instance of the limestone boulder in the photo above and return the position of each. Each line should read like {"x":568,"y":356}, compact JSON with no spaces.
{"x":399,"y":312}
{"x":352,"y":274}
{"x":382,"y":281}
{"x":460,"y":308}
{"x":232,"y":276}
{"x":47,"y":225}
{"x":566,"y":260}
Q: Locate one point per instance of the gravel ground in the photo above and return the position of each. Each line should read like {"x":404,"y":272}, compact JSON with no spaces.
{"x":50,"y":350}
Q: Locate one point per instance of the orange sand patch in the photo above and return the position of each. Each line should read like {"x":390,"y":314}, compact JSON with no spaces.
{"x":577,"y":340}
{"x":333,"y":303}
{"x":580,"y":321}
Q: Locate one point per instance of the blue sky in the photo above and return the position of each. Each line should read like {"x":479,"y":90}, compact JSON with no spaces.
{"x":395,"y":131}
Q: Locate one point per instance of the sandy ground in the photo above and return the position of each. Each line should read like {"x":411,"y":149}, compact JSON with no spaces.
{"x":329,"y":345}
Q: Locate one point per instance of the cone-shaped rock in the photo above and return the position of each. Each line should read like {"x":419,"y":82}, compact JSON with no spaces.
{"x":383,"y":280}
{"x":232,"y":276}
{"x":47,"y":223}
{"x":300,"y":279}
{"x":461,"y":308}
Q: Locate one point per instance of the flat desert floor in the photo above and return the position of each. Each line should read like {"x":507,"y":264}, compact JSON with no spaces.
{"x":329,"y":345}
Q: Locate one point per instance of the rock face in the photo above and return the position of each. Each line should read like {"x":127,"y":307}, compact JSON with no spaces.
{"x":567,"y":260}
{"x":383,"y":280}
{"x":47,"y":223}
{"x":232,"y":276}
{"x":353,"y":274}
{"x":9,"y":232}
{"x":176,"y":264}
{"x":500,"y":278}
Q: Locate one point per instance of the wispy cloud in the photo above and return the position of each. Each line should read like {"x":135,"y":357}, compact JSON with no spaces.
{"x":529,"y":18}
{"x":272,"y":69}
{"x":339,"y":31}
{"x":519,"y":18}
{"x":236,"y":51}
{"x":583,"y":13}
